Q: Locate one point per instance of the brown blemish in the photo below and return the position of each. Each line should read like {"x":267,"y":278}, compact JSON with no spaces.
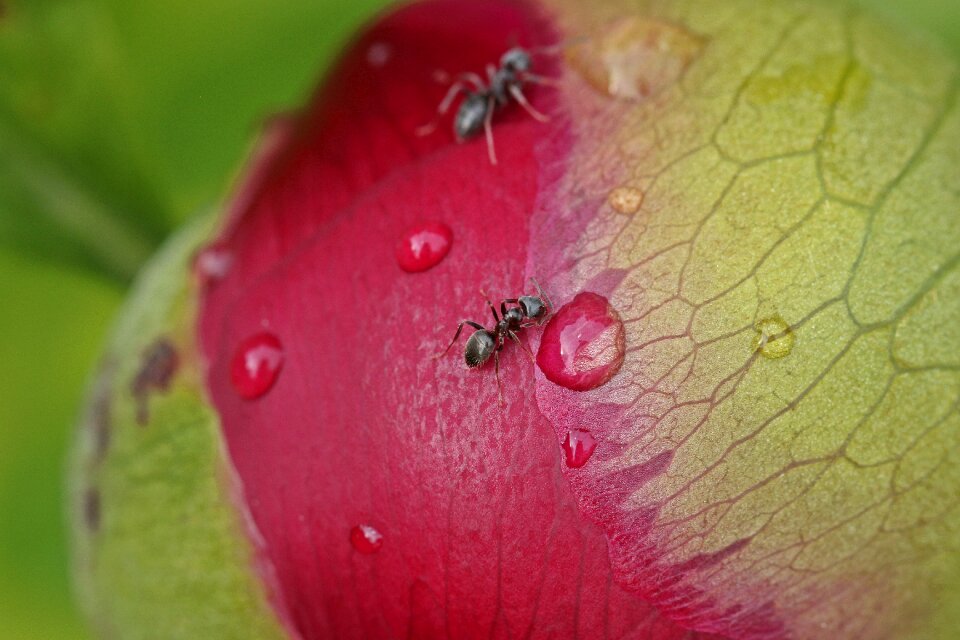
{"x":158,"y":366}
{"x":91,"y":509}
{"x":99,"y":415}
{"x":636,"y":57}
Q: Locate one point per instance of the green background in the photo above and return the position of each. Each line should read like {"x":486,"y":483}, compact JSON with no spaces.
{"x":118,"y":121}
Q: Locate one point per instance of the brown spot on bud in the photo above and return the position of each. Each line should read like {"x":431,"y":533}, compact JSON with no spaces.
{"x":158,"y":365}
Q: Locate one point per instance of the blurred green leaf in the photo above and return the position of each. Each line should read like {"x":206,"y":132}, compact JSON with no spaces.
{"x":938,"y":17}
{"x":46,"y":364}
{"x":119,"y":120}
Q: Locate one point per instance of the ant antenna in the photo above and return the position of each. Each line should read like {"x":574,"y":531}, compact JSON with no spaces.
{"x":543,"y":296}
{"x":558,"y":47}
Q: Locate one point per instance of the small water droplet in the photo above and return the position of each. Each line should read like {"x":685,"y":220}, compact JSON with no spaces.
{"x":256,"y":365}
{"x":636,"y":57}
{"x":626,"y":200}
{"x":212,"y":263}
{"x":774,"y":338}
{"x":366,"y":539}
{"x":583,"y":344}
{"x":578,"y":447}
{"x":424,"y":246}
{"x":378,"y":54}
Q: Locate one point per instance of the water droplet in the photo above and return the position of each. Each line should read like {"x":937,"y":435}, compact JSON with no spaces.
{"x":256,"y":365}
{"x":636,"y":57}
{"x":578,"y":446}
{"x":212,"y":263}
{"x":626,"y":200}
{"x":424,"y":246}
{"x":583,"y":344}
{"x":774,"y":338}
{"x":366,"y":539}
{"x":378,"y":54}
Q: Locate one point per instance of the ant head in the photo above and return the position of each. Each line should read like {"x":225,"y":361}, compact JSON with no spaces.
{"x":516,"y":59}
{"x":533,"y":307}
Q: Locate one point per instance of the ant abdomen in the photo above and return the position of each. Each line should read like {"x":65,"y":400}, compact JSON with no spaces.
{"x":479,"y":347}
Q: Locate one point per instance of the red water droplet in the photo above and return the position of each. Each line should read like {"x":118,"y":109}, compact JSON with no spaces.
{"x":256,"y":365}
{"x":366,"y":539}
{"x":583,"y":345}
{"x":424,"y":246}
{"x":212,"y":263}
{"x":578,"y":445}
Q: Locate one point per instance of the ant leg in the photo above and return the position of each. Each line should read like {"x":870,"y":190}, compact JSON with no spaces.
{"x":457,"y":335}
{"x":488,"y":130}
{"x":490,"y":304}
{"x":496,"y":368}
{"x":522,"y":100}
{"x":461,"y":85}
{"x":505,"y":302}
{"x":442,"y":77}
{"x":444,"y":106}
{"x":533,"y":78}
{"x":516,"y":339}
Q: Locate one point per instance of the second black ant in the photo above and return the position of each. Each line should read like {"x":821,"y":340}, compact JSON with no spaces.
{"x":528,"y":311}
{"x":504,"y":83}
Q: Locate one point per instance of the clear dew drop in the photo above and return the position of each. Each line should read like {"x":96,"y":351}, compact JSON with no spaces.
{"x":626,"y":200}
{"x":774,"y":338}
{"x":424,"y":246}
{"x":578,"y":446}
{"x":366,"y":539}
{"x":584,"y":344}
{"x":256,"y":365}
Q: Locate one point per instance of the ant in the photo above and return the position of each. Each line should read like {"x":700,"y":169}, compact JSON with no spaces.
{"x":529,"y":311}
{"x":504,"y":83}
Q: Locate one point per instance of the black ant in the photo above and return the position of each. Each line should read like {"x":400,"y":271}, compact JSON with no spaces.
{"x":529,"y":311}
{"x":503,"y":84}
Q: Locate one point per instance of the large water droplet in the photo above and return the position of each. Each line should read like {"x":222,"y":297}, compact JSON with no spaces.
{"x":626,"y":200}
{"x":424,"y":246}
{"x":578,"y":447}
{"x":584,"y":343}
{"x":774,"y":338}
{"x":212,"y":263}
{"x":366,"y":539}
{"x":256,"y":365}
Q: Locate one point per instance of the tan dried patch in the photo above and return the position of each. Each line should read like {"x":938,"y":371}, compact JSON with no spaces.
{"x":636,"y":57}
